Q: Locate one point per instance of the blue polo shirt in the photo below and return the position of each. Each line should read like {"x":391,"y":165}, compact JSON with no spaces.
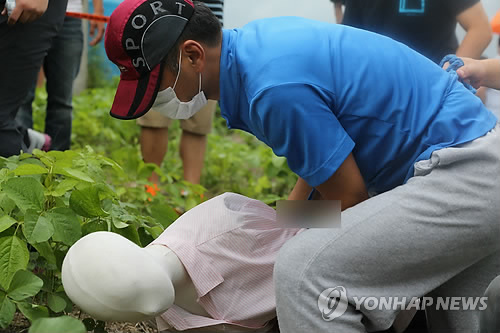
{"x":315,"y":92}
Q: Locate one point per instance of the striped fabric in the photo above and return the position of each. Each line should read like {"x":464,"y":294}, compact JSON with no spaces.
{"x":228,"y":246}
{"x":217,"y":7}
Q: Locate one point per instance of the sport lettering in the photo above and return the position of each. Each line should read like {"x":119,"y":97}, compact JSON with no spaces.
{"x":136,"y":62}
{"x":130,"y":44}
{"x":142,"y":21}
{"x":156,"y":6}
{"x":181,"y":7}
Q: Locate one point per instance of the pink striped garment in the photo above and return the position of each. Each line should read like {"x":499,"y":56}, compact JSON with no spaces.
{"x":228,"y":246}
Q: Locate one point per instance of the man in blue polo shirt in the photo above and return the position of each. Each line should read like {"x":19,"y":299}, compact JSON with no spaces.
{"x":412,"y":155}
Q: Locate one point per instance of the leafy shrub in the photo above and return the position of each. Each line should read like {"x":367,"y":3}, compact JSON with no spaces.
{"x":47,"y":202}
{"x":50,"y":200}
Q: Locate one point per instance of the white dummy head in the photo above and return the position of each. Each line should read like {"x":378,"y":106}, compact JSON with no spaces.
{"x":113,"y":279}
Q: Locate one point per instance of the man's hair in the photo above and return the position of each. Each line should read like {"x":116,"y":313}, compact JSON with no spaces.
{"x":203,"y":27}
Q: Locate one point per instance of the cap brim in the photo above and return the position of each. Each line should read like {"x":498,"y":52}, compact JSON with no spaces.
{"x":136,"y":97}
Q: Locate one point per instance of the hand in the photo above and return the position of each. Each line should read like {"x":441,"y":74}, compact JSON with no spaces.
{"x":97,"y":30}
{"x":27,"y":11}
{"x":473,"y":72}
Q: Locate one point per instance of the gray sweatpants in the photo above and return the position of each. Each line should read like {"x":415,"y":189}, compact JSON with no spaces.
{"x":490,"y":319}
{"x":437,"y":235}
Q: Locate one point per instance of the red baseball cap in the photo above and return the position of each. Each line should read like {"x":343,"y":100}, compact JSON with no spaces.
{"x":139,"y":35}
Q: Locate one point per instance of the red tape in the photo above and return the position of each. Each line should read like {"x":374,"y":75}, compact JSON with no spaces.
{"x":90,"y":17}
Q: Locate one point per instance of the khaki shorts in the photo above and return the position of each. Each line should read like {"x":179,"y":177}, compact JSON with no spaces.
{"x":200,"y":123}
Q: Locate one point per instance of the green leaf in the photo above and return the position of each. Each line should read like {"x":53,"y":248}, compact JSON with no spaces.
{"x":63,"y":324}
{"x":33,"y":311}
{"x":56,"y":303}
{"x":46,"y":251}
{"x":73,"y":173}
{"x":30,"y":169}
{"x":66,"y":224}
{"x":48,"y":162}
{"x":6,"y":203}
{"x":86,"y":202}
{"x":155,"y":231}
{"x":278,"y":161}
{"x":6,"y":222}
{"x":164,"y":214}
{"x":37,"y":228}
{"x":14,"y":256}
{"x":190,"y":203}
{"x":64,"y":186}
{"x":94,"y":226}
{"x":129,"y":232}
{"x":119,"y":224}
{"x":24,"y":156}
{"x":24,"y":284}
{"x":56,"y":154}
{"x":7,"y":310}
{"x":26,"y":192}
{"x":144,"y":237}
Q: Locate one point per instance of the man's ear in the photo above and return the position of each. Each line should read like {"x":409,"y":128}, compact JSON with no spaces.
{"x":195,"y":54}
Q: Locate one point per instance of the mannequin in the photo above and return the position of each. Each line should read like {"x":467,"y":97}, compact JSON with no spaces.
{"x":155,"y":279}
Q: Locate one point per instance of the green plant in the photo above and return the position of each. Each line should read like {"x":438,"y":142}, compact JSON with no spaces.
{"x":47,"y":202}
{"x":50,"y":200}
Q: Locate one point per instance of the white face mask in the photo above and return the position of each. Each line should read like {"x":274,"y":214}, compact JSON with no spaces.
{"x":170,"y":106}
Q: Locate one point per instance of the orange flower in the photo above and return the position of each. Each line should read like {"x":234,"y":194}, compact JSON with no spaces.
{"x":152,"y":189}
{"x":495,"y":24}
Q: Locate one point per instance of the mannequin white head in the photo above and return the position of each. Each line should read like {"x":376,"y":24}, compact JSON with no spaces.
{"x":111,"y":278}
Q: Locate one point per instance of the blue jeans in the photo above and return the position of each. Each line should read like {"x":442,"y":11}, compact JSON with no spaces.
{"x":22,"y":50}
{"x":61,"y":67}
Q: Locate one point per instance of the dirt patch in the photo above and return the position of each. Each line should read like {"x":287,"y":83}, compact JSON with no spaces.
{"x":21,"y":325}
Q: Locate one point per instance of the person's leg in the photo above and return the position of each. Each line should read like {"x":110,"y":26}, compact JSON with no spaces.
{"x":192,"y":152}
{"x":22,"y":49}
{"x":194,"y":142}
{"x":24,"y":116}
{"x":403,"y":243}
{"x":470,"y":283}
{"x":490,"y":318}
{"x":61,"y":68}
{"x":154,"y":139}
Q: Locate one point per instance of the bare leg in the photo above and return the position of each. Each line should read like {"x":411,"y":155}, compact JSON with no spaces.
{"x":193,"y":147}
{"x":154,"y":143}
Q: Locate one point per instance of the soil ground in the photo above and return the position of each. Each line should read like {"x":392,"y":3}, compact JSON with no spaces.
{"x":21,"y":325}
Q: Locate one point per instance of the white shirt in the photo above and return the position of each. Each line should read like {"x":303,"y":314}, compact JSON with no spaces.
{"x":74,"y":6}
{"x":228,"y":246}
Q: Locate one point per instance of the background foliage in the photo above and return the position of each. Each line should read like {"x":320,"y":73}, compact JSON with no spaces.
{"x":50,"y":200}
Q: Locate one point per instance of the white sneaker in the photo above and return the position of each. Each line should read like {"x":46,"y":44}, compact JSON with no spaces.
{"x":38,"y":140}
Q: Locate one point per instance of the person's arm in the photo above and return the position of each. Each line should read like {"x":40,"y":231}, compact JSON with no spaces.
{"x":346,"y":185}
{"x":300,"y":191}
{"x":26,"y":11}
{"x":478,"y":31}
{"x":97,"y":28}
{"x":296,"y":121}
{"x":339,"y":14}
{"x":481,"y":73}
